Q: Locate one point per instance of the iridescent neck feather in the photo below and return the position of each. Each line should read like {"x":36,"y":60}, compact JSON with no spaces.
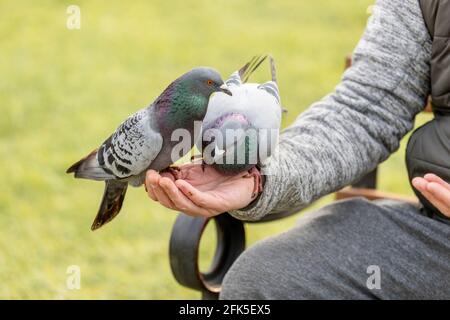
{"x":179,"y":106}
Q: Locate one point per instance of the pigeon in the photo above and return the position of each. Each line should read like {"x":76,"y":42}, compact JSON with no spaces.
{"x":144,"y":140}
{"x":240,"y":132}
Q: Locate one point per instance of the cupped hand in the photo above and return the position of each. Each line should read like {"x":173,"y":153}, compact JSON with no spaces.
{"x":436,"y":190}
{"x":200,"y":190}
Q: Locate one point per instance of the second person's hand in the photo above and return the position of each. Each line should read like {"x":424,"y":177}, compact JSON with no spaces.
{"x":436,"y":190}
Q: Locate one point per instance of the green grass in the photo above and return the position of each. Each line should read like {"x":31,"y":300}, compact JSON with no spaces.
{"x":62,"y":92}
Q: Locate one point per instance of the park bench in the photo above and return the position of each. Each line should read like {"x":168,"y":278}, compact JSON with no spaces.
{"x":187,"y":233}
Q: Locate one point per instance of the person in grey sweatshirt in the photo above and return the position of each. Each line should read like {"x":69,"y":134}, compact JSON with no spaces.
{"x":352,"y":249}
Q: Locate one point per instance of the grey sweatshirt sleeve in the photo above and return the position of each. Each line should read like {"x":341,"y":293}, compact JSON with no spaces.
{"x":349,"y":132}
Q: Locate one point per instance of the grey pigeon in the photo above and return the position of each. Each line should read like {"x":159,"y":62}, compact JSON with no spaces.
{"x":242,"y":131}
{"x":143,"y":141}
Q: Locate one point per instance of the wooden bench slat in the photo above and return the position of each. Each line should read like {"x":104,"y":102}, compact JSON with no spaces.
{"x":372,"y":194}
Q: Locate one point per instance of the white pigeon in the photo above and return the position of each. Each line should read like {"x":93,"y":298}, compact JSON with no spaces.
{"x":241,"y":131}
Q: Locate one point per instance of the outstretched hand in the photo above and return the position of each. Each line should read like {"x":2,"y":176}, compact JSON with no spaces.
{"x":200,"y":190}
{"x":436,"y":190}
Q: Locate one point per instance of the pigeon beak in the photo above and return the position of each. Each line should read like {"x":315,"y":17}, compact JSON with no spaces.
{"x":223,"y":88}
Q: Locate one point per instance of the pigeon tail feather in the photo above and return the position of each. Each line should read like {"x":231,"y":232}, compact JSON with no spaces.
{"x":111,"y":204}
{"x":89,"y":168}
{"x":273,"y":70}
{"x":246,"y":71}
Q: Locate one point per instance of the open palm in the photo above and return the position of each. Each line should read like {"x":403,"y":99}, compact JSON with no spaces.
{"x":200,"y":190}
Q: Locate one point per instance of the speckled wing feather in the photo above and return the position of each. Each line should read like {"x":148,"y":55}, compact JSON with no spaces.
{"x":131,"y":148}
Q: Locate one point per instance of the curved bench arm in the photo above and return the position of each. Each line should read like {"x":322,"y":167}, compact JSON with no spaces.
{"x":184,"y":251}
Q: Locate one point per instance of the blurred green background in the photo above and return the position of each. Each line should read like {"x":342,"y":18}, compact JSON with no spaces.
{"x":63,"y":91}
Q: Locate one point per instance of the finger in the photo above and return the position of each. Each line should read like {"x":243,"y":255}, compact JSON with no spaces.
{"x":442,"y":207}
{"x":163,"y":198}
{"x":431,"y":177}
{"x":151,"y":193}
{"x":440,"y":193}
{"x":152,"y":178}
{"x":181,"y":202}
{"x":172,"y":193}
{"x":199,"y":198}
{"x":422,"y":185}
{"x":433,"y":200}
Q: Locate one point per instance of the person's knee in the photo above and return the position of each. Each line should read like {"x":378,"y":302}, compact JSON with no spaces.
{"x":247,"y":278}
{"x":265,"y":271}
{"x":296,"y":264}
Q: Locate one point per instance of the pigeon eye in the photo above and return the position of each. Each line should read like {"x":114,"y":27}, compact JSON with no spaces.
{"x":209,"y":82}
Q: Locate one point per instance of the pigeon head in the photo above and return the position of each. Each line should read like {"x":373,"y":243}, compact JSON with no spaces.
{"x":186,"y":99}
{"x":205,"y":81}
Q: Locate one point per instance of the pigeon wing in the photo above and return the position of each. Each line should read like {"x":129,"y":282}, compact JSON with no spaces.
{"x":132,"y":147}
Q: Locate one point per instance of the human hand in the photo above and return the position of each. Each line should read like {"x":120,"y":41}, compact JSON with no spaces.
{"x":435,"y":190}
{"x":200,"y":190}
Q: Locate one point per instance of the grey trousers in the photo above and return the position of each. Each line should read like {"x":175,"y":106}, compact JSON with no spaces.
{"x":352,"y":249}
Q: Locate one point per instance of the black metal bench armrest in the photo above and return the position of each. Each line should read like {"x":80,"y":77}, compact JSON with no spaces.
{"x":184,"y":252}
